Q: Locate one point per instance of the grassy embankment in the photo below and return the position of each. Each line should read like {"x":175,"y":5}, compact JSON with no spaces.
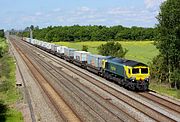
{"x":142,"y":51}
{"x":8,"y":92}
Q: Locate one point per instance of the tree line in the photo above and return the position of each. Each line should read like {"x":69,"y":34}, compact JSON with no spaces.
{"x":91,"y":33}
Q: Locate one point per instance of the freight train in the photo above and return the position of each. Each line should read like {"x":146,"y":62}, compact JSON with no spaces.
{"x":130,"y":74}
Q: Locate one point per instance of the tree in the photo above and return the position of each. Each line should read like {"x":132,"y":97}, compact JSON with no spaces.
{"x":2,"y":33}
{"x":169,"y":37}
{"x":85,"y":48}
{"x":32,"y":27}
{"x":113,"y":49}
{"x":1,"y":52}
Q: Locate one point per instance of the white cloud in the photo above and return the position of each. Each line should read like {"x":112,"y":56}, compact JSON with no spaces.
{"x":56,"y":10}
{"x":38,"y":13}
{"x":119,"y":11}
{"x":84,"y":9}
{"x":153,"y":4}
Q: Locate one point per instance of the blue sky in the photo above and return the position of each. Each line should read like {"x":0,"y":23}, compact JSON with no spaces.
{"x":19,"y":14}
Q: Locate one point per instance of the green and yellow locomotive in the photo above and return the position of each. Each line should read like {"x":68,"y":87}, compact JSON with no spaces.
{"x":131,"y":74}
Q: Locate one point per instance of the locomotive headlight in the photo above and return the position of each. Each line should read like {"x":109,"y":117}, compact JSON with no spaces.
{"x":147,"y":79}
{"x":133,"y":78}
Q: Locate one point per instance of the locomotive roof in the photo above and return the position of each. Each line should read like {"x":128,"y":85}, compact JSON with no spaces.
{"x":127,"y":62}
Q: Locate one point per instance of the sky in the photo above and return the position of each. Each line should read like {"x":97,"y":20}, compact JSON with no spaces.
{"x":19,"y":14}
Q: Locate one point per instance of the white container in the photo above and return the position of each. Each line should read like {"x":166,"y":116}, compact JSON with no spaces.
{"x":48,"y":46}
{"x":54,"y":47}
{"x":28,"y":39}
{"x":44,"y":44}
{"x":58,"y":49}
{"x":36,"y":41}
{"x":62,"y":49}
{"x":69,"y":52}
{"x":32,"y":41}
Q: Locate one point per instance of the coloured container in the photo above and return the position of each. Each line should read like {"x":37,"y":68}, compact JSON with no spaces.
{"x":95,"y":60}
{"x":80,"y":55}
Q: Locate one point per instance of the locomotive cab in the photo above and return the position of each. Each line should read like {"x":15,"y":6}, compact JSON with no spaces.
{"x":138,"y":75}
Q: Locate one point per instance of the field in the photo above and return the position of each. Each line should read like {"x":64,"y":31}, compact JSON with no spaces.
{"x":142,"y":51}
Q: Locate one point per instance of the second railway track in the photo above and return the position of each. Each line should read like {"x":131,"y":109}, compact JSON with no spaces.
{"x":64,"y":110}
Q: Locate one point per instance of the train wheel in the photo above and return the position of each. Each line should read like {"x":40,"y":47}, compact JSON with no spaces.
{"x":132,"y":87}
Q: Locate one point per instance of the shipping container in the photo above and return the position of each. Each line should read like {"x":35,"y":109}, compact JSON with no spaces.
{"x":32,"y":41}
{"x":59,"y":49}
{"x":69,"y":52}
{"x":44,"y":44}
{"x":48,"y":46}
{"x":36,"y":42}
{"x":28,"y":40}
{"x":62,"y":49}
{"x":81,"y":56}
{"x":95,"y":60}
{"x":54,"y":47}
{"x":40,"y":43}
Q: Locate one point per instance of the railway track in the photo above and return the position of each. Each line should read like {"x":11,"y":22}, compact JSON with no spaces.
{"x":147,"y":110}
{"x":64,"y":109}
{"x":169,"y":105}
{"x":27,"y":96}
{"x":86,"y":92}
{"x":152,"y":112}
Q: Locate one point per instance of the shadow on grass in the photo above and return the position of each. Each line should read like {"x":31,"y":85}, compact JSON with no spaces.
{"x":3,"y":110}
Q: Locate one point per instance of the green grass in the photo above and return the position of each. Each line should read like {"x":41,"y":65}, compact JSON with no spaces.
{"x":8,"y":92}
{"x":3,"y":47}
{"x":165,"y":90}
{"x":3,"y":43}
{"x":12,"y":115}
{"x":142,"y":51}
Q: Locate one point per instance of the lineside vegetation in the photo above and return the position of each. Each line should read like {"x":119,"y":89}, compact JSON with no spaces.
{"x":8,"y":92}
{"x":166,"y":66}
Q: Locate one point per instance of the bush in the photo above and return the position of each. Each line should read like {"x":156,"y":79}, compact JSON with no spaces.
{"x":113,"y":49}
{"x":85,"y":48}
{"x":3,"y":47}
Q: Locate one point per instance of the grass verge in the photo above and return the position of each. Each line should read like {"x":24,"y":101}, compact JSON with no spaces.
{"x":8,"y":92}
{"x":165,"y":90}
